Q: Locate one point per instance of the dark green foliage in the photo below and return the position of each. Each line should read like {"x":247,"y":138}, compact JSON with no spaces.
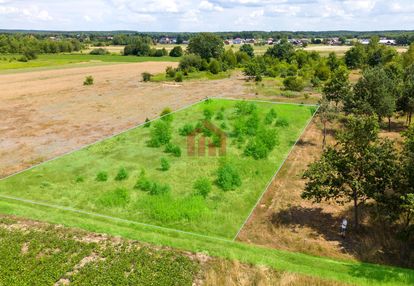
{"x":294,"y":83}
{"x":270,"y":116}
{"x":160,"y":133}
{"x":214,"y":66}
{"x":147,"y":123}
{"x":248,"y":49}
{"x":189,"y":62}
{"x":159,"y":189}
{"x":202,"y":186}
{"x":102,"y":176}
{"x":245,"y":108}
{"x":177,"y":51}
{"x":80,"y":179}
{"x":88,"y":80}
{"x":282,"y":122}
{"x":166,"y":114}
{"x":208,"y":114}
{"x":255,"y":68}
{"x":219,"y":115}
{"x":139,"y":48}
{"x":122,"y":174}
{"x":262,"y":144}
{"x":175,"y":150}
{"x":322,"y":72}
{"x":178,"y":77}
{"x":206,"y":45}
{"x":146,"y":76}
{"x":252,"y":124}
{"x":116,"y":198}
{"x":143,"y":183}
{"x":229,"y":60}
{"x":99,"y":51}
{"x":170,"y":72}
{"x":165,"y":164}
{"x":282,"y":51}
{"x":153,"y":188}
{"x":355,"y":57}
{"x":216,"y":140}
{"x":338,"y":87}
{"x":228,"y":177}
{"x":186,"y":130}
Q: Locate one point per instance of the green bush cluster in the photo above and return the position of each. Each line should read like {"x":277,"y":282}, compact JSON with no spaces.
{"x":228,"y":177}
{"x":122,"y":174}
{"x":270,"y":117}
{"x":88,"y":80}
{"x":262,"y":144}
{"x":293,"y":83}
{"x":102,"y":176}
{"x":116,"y":198}
{"x":165,"y":164}
{"x":99,"y":51}
{"x":186,"y":130}
{"x":202,"y":187}
{"x":153,"y":188}
{"x":173,"y":149}
{"x":160,"y":133}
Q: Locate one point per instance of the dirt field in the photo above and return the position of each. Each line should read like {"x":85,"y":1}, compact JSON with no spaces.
{"x":47,"y":113}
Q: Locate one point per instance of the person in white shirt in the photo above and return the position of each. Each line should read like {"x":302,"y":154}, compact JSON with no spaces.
{"x":344,"y":225}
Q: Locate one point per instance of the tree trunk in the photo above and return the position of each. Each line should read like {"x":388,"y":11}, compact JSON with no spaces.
{"x":324,"y":135}
{"x":389,"y":124}
{"x":356,"y":217}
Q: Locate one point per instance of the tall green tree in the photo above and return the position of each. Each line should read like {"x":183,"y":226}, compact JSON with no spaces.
{"x":355,"y":57}
{"x":406,"y":101}
{"x":338,"y":87}
{"x":282,"y":51}
{"x":359,"y":167}
{"x":248,"y":49}
{"x":206,"y":45}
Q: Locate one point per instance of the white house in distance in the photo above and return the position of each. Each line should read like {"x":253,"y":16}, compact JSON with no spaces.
{"x":382,"y":41}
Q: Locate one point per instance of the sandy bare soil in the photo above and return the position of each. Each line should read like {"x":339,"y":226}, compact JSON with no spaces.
{"x":47,"y":113}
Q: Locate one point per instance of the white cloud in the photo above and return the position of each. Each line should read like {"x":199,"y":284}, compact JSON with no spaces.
{"x":208,"y":6}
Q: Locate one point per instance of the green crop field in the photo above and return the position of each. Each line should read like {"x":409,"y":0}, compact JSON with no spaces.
{"x":74,"y":180}
{"x":121,"y":187}
{"x":10,"y":62}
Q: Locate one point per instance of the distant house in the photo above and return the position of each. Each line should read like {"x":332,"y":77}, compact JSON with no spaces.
{"x":167,"y":40}
{"x":227,"y":42}
{"x":237,"y":41}
{"x":364,"y":41}
{"x":388,"y":42}
{"x":269,"y":41}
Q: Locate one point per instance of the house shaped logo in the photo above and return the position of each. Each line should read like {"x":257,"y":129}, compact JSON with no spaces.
{"x":215,"y":147}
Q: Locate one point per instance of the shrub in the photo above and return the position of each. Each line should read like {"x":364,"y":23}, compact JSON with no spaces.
{"x":256,"y":149}
{"x":190,"y":61}
{"x":282,"y":122}
{"x":214,"y":66}
{"x":179,"y":77}
{"x":99,"y":51}
{"x":30,"y":54}
{"x":166,"y":114}
{"x":177,"y":51}
{"x":245,"y":108}
{"x":147,"y":123}
{"x":143,"y":183}
{"x":227,"y":177}
{"x":23,"y":59}
{"x":186,"y":130}
{"x":202,"y":186}
{"x":79,"y":179}
{"x":160,"y":134}
{"x":220,"y":115}
{"x":146,"y":76}
{"x":159,"y":189}
{"x":175,"y":150}
{"x":165,"y":165}
{"x":208,"y":114}
{"x":170,"y":72}
{"x":216,"y":140}
{"x":122,"y":174}
{"x":223,"y":125}
{"x":293,"y":83}
{"x":102,"y":176}
{"x":268,"y":137}
{"x":88,"y":80}
{"x":252,"y":124}
{"x":270,"y":116}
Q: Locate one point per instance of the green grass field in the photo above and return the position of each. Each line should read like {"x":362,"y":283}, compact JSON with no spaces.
{"x":70,"y":181}
{"x":60,"y":60}
{"x":65,"y":191}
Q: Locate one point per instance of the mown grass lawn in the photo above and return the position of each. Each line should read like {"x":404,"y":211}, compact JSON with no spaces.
{"x":71,"y":180}
{"x":10,"y":62}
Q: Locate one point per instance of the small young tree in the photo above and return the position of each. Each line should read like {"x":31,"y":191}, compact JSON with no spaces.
{"x":202,"y":187}
{"x":227,"y":177}
{"x":146,"y":76}
{"x":177,"y":51}
{"x":248,"y":49}
{"x":214,"y":66}
{"x":338,"y":87}
{"x":165,"y":164}
{"x":88,"y":80}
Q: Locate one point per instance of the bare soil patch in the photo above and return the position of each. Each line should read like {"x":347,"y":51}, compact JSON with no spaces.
{"x":44,"y":114}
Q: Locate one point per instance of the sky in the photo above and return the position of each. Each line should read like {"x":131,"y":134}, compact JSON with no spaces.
{"x":207,"y":15}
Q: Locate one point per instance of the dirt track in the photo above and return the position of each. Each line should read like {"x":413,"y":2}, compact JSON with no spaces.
{"x":47,"y":113}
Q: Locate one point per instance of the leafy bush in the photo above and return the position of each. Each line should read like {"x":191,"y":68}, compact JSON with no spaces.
{"x":214,"y":66}
{"x":220,"y":115}
{"x":166,"y":114}
{"x":99,"y":51}
{"x":282,"y":122}
{"x":179,"y":77}
{"x":88,"y":80}
{"x":147,"y":123}
{"x":270,"y":116}
{"x":165,"y":165}
{"x":122,"y":174}
{"x":186,"y":130}
{"x":175,"y":150}
{"x":252,"y":124}
{"x":143,"y":183}
{"x":23,"y":59}
{"x":227,"y":177}
{"x":170,"y":72}
{"x":202,"y":186}
{"x":160,"y":134}
{"x":102,"y":176}
{"x":208,"y":114}
{"x":177,"y":51}
{"x":153,"y":188}
{"x":159,"y":189}
{"x":116,"y":198}
{"x":188,"y":62}
{"x":245,"y":108}
{"x":294,"y":83}
{"x":256,"y":149}
{"x":269,"y":138}
{"x":80,"y":179}
{"x":146,"y":76}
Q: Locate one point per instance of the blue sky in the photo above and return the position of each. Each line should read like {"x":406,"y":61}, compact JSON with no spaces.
{"x":207,"y":15}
